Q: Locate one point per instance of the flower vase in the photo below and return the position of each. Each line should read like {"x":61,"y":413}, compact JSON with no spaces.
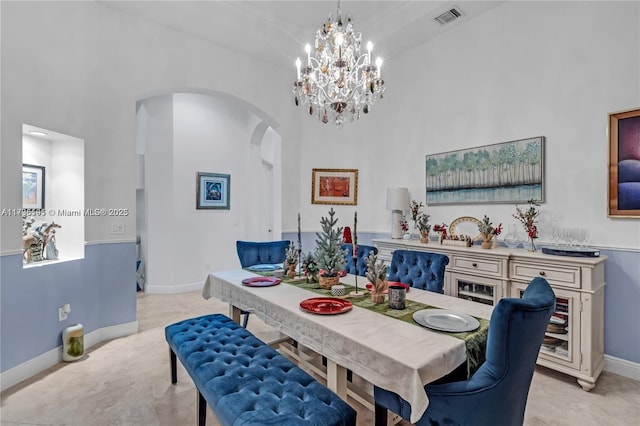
{"x":511,"y":238}
{"x":533,"y":244}
{"x":486,"y":241}
{"x":496,"y":243}
{"x":424,"y":237}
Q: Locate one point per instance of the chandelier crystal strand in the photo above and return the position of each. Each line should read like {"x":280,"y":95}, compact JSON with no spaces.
{"x":338,"y":82}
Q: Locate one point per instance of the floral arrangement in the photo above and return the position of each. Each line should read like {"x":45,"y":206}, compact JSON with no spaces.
{"x":292,"y":254}
{"x":415,"y":210}
{"x":486,"y":228}
{"x":528,"y":219}
{"x":423,"y":223}
{"x":442,"y":229}
{"x":404,"y":225}
{"x":310,"y":267}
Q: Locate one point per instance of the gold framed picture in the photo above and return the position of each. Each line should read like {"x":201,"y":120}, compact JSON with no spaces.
{"x":334,"y":186}
{"x":624,"y":164}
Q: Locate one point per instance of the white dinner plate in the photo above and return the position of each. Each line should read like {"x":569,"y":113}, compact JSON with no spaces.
{"x":445,"y":320}
{"x":265,"y":267}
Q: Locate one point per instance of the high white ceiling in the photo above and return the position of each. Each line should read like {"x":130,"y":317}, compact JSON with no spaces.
{"x":276,"y":31}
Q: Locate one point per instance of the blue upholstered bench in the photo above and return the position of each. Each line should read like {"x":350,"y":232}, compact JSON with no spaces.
{"x":245,"y":381}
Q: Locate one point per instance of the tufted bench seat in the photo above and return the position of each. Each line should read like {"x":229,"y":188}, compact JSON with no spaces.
{"x":419,"y":269}
{"x":245,"y":381}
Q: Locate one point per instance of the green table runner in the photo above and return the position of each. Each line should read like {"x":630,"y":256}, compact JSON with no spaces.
{"x":475,"y":341}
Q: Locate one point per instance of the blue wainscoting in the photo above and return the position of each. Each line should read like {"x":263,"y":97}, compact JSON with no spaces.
{"x":101,"y":289}
{"x":621,"y":296}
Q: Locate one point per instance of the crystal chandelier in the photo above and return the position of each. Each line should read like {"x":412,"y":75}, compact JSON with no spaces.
{"x":337,"y":82}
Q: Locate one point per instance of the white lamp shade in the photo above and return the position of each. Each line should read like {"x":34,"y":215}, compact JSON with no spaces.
{"x":397,"y":199}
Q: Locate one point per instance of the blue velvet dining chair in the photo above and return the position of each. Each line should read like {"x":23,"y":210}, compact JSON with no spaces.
{"x":496,"y":394}
{"x":419,"y":269}
{"x":359,"y":267}
{"x":260,"y":252}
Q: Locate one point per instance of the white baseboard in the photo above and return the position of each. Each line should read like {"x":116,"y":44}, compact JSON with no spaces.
{"x":173,"y":289}
{"x":50,"y":358}
{"x":622,"y":367}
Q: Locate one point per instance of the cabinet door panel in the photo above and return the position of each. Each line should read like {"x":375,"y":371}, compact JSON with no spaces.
{"x":561,"y":343}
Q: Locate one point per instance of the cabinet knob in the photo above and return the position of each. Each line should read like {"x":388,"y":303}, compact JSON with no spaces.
{"x":542,"y":273}
{"x":475,"y":265}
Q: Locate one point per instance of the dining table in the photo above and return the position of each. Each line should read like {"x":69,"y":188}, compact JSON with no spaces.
{"x":387,"y":352}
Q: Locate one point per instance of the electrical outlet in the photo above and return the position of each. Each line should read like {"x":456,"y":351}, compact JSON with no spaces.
{"x":63,"y":312}
{"x":117,"y":228}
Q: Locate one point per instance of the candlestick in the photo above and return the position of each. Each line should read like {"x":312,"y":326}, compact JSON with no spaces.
{"x":356,"y":293}
{"x":299,"y":248}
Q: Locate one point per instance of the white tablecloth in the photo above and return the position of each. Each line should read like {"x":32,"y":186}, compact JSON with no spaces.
{"x":387,"y":352}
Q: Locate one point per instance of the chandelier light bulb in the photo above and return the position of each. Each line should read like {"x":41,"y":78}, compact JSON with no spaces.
{"x":338,"y":82}
{"x":307,"y":48}
{"x":378,"y":65}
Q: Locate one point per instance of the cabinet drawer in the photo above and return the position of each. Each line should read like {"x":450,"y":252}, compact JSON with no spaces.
{"x":556,"y":275}
{"x":469,"y":264}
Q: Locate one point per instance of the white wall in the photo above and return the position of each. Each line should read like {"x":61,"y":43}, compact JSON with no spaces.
{"x":523,"y":69}
{"x":184,"y":134}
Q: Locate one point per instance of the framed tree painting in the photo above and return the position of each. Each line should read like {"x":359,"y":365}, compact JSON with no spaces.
{"x":212,"y":191}
{"x":508,"y":172}
{"x":624,"y":164}
{"x":33,"y":179}
{"x":334,"y":186}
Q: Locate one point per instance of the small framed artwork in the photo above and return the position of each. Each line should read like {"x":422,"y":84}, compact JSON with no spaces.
{"x":213,"y":191}
{"x":624,"y":164}
{"x":33,"y":179}
{"x":334,"y":186}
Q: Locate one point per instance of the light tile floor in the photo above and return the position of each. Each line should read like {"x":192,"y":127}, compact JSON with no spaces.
{"x":126,"y":382}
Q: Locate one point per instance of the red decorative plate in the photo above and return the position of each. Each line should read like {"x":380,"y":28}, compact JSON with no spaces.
{"x":406,"y":286}
{"x":261,"y":281}
{"x":326,"y":305}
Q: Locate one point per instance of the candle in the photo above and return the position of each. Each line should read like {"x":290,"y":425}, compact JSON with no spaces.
{"x":298,"y":63}
{"x":299,"y":248}
{"x":355,"y":235}
{"x":299,"y":237}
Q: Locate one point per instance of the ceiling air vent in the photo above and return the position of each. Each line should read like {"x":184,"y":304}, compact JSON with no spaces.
{"x":449,"y":16}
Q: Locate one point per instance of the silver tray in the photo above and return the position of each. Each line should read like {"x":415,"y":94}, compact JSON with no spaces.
{"x":445,"y":320}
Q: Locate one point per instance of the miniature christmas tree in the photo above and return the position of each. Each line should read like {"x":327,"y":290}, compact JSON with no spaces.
{"x":291,"y":260}
{"x":329,"y":254}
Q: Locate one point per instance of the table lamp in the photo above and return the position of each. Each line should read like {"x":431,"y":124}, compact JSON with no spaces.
{"x":397,"y":202}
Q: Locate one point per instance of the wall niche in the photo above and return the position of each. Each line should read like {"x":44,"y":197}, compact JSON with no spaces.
{"x":52,"y":196}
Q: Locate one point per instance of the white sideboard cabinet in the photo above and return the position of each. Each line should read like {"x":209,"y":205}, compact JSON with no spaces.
{"x":574,"y":342}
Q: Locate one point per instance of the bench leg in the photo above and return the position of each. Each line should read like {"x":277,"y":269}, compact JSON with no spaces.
{"x":202,"y":410}
{"x":380,"y":416}
{"x":174,"y":371}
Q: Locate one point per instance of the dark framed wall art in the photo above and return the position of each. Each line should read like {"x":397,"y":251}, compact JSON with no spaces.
{"x":212,"y":191}
{"x":624,"y":164}
{"x":33,"y":180}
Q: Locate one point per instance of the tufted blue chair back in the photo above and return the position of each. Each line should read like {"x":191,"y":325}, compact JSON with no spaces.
{"x":419,"y":269}
{"x":360,"y":266}
{"x":497,"y":392}
{"x":266,"y":252}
